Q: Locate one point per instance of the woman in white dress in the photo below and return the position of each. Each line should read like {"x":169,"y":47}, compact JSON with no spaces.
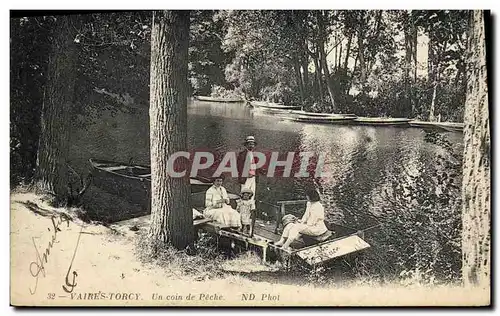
{"x":312,"y":223}
{"x":217,"y":206}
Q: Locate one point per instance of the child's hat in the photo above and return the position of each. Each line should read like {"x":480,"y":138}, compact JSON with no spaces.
{"x":288,"y":219}
{"x":246,"y":190}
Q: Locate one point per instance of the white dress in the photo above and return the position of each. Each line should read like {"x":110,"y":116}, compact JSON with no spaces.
{"x":314,"y":219}
{"x":312,"y":223}
{"x":217,"y":209}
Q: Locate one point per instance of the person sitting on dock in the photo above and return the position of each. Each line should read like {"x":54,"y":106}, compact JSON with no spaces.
{"x":246,"y":208}
{"x":218,"y":208}
{"x":312,"y":223}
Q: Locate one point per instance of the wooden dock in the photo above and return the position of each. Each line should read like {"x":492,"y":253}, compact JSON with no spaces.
{"x":338,"y":242}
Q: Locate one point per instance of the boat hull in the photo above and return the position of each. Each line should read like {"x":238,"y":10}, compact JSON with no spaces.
{"x":273,"y":106}
{"x":132,"y":182}
{"x":221,"y":100}
{"x":441,"y":126}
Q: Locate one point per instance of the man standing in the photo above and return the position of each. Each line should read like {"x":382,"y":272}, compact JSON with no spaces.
{"x":248,"y":180}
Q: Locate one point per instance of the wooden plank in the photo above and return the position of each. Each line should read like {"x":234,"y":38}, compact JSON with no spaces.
{"x":200,"y":221}
{"x":332,"y":249}
{"x":265,"y":233}
{"x":251,"y":240}
{"x":291,"y":202}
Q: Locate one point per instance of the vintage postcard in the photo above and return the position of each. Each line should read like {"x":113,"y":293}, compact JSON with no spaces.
{"x":250,"y":158}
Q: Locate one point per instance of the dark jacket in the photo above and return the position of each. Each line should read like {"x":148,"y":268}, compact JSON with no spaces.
{"x":242,"y":156}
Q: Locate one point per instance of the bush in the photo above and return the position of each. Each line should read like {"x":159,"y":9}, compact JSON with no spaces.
{"x":221,"y":92}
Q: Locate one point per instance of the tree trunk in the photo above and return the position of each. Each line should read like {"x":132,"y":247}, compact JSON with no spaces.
{"x":476,"y":214}
{"x":305,"y":74}
{"x":326,"y":71}
{"x":361,"y":58}
{"x":348,"y":50}
{"x":414,"y":32}
{"x":322,"y":59}
{"x":339,"y":62}
{"x":317,"y":71}
{"x":53,"y":150}
{"x":432,"y":116}
{"x":406,"y":75}
{"x":351,"y":80}
{"x":298,"y":78}
{"x":171,"y":214}
{"x":410,"y":68}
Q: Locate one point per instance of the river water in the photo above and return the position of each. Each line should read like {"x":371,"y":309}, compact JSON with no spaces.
{"x":361,"y":160}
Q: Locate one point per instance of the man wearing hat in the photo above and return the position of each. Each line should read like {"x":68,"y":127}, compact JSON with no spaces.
{"x":248,"y":181}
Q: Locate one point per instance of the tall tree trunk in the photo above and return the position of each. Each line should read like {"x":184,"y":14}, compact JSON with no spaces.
{"x":305,"y":73}
{"x":432,"y":110}
{"x":298,"y":78}
{"x":171,"y":213}
{"x":53,"y":150}
{"x":348,"y":50}
{"x":414,"y":33}
{"x":406,"y":74}
{"x":409,"y":69}
{"x":326,"y":71}
{"x":361,"y":58}
{"x":339,"y":62}
{"x":476,"y":182}
{"x":351,"y":80}
{"x":322,"y":58}
{"x":317,"y":71}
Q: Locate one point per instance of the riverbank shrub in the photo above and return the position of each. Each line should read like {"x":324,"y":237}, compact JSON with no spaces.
{"x":221,"y":92}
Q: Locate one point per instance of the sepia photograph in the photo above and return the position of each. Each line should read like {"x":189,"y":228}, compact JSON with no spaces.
{"x":250,"y":158}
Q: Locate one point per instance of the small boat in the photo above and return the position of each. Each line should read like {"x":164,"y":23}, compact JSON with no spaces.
{"x":133,"y":181}
{"x":377,"y":121}
{"x":320,"y":120}
{"x":442,"y":126}
{"x":314,"y":114}
{"x":223,"y":100}
{"x":136,"y":172}
{"x":273,"y":106}
{"x":451,"y":127}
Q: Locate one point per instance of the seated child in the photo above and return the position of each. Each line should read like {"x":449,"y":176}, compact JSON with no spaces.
{"x":246,"y":207}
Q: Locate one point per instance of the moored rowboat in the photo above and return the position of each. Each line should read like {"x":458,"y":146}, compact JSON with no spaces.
{"x":321,"y":120}
{"x":314,"y":114}
{"x":445,"y":126}
{"x":224,"y":100}
{"x":133,"y":181}
{"x":380,"y":121}
{"x":274,"y":106}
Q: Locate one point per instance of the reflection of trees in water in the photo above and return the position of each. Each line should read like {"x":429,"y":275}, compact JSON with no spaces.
{"x":354,"y":192}
{"x":404,"y":162}
{"x":360,"y":162}
{"x":340,"y":145}
{"x":219,"y":109}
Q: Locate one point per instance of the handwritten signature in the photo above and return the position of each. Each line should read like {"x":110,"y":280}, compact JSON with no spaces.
{"x":37,"y":267}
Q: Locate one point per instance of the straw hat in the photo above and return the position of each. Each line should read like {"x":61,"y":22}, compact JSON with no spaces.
{"x":250,"y":139}
{"x":287,"y":219}
{"x":246,"y":190}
